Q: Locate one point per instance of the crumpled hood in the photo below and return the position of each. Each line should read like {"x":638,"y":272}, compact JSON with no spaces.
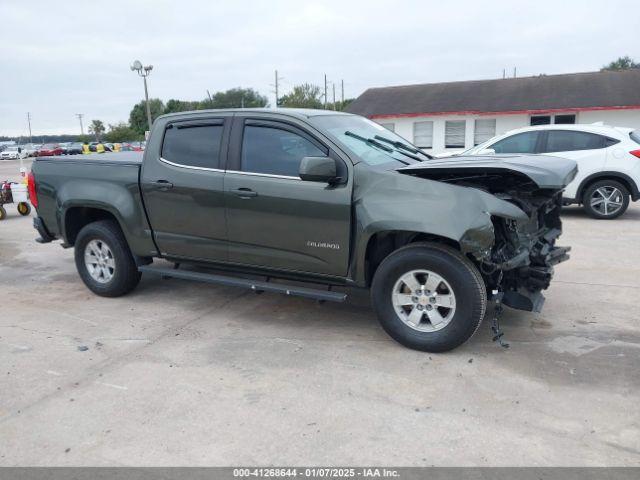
{"x":544,"y":170}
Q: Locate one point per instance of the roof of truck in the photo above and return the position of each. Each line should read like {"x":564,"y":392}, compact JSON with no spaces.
{"x":293,"y":112}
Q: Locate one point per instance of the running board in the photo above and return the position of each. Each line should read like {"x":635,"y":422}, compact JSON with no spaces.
{"x":255,"y":285}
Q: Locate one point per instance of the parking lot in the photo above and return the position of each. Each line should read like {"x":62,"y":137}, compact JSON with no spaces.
{"x":180,"y":373}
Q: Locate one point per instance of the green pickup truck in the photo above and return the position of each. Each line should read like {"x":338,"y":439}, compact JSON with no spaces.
{"x":278,"y":198}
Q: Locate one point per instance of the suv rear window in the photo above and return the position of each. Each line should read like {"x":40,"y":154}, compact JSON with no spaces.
{"x":635,"y":136}
{"x":193,"y":145}
{"x":569,"y":141}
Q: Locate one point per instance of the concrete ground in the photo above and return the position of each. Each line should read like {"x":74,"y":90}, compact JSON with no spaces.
{"x":180,"y":373}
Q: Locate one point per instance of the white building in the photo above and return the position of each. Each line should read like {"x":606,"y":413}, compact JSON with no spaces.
{"x":449,"y":117}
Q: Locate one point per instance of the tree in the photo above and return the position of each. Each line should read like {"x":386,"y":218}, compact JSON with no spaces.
{"x":121,"y":132}
{"x":96,"y":128}
{"x":174,"y":105}
{"x":303,"y":96}
{"x":340,"y":105}
{"x":138,"y":115}
{"x":237,"y":98}
{"x":622,"y":63}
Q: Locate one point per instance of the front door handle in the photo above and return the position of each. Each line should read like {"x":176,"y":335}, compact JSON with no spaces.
{"x":162,"y":184}
{"x":244,"y":193}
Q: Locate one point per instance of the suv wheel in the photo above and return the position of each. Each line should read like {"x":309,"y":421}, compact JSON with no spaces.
{"x":429,"y":297}
{"x":606,"y":199}
{"x":104,"y":261}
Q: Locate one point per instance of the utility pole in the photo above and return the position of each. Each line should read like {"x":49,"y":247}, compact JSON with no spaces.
{"x":514,"y":72}
{"x":277,"y":88}
{"x":29,"y":122}
{"x":325,"y":91}
{"x":80,"y":115}
{"x":333,"y":86}
{"x":342,"y":87}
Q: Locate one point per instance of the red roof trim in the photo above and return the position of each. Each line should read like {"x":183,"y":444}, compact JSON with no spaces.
{"x":509,"y":112}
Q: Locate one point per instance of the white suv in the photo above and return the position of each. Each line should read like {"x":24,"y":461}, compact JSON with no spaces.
{"x":608,"y":161}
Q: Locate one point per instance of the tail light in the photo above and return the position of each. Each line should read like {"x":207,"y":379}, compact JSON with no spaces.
{"x":635,"y":153}
{"x":31,"y":186}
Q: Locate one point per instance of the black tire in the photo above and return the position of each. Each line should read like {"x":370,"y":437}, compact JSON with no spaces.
{"x":463,"y":277}
{"x":125,"y":275}
{"x":606,"y":184}
{"x":3,"y":213}
{"x":24,"y":209}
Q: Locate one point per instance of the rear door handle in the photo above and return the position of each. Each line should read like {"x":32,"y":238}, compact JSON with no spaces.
{"x":244,"y":193}
{"x":162,"y":184}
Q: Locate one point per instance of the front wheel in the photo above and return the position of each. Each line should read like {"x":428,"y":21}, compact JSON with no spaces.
{"x":24,"y":209}
{"x":104,"y":261}
{"x":606,"y":199}
{"x":429,"y":297}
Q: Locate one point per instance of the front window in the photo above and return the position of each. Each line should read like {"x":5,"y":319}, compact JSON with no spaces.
{"x":337,"y":126}
{"x":520,"y":143}
{"x":275,"y":151}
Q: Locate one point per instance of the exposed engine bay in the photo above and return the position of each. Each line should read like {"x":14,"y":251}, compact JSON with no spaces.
{"x":520,"y":263}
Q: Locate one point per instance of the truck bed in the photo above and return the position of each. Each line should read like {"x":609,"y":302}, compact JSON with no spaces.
{"x":113,"y":158}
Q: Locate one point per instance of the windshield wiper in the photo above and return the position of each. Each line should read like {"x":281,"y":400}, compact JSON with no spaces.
{"x":402,"y":146}
{"x":370,"y":141}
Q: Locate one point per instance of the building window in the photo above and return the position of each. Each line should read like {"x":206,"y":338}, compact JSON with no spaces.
{"x":454,"y":133}
{"x":423,"y":134}
{"x":563,"y":119}
{"x":485,"y":129}
{"x":389,"y":126}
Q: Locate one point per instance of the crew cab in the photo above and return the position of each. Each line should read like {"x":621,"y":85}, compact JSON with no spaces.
{"x":313,"y":196}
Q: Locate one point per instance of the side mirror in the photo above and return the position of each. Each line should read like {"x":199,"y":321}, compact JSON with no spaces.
{"x":317,"y":169}
{"x":487,"y":151}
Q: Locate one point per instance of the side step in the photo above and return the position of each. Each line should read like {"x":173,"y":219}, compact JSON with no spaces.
{"x":256,"y":285}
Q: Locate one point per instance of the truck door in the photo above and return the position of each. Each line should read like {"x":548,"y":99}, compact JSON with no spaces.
{"x":275,"y":219}
{"x":182,"y":187}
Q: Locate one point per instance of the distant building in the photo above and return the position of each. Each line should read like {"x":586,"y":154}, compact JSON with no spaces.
{"x":452,"y":116}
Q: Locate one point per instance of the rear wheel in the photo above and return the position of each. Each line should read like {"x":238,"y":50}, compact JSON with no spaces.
{"x":24,"y":209}
{"x":605,"y":199}
{"x":429,"y":297}
{"x":104,"y":261}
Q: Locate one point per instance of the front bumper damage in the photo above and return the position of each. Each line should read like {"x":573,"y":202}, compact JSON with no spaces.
{"x":521,"y":261}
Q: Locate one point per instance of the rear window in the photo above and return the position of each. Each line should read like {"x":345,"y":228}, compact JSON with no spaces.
{"x":635,"y":136}
{"x":569,"y":141}
{"x":195,"y":145}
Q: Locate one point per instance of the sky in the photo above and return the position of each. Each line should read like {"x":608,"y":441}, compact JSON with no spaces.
{"x":58,"y":59}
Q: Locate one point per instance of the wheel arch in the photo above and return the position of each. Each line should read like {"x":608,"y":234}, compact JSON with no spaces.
{"x":623,"y":178}
{"x":77,"y":217}
{"x":382,"y":243}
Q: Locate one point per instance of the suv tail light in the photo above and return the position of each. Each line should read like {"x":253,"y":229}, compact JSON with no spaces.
{"x":635,"y":153}
{"x":31,"y":186}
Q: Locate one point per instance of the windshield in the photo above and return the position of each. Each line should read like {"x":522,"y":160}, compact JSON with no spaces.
{"x":353,"y":131}
{"x":11,"y":149}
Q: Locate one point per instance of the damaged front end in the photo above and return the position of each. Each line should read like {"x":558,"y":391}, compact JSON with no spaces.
{"x":516,"y":252}
{"x":520,"y":263}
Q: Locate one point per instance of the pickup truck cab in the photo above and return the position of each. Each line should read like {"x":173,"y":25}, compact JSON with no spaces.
{"x":312,"y":196}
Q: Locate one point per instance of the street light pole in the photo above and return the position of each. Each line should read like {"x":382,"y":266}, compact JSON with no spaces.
{"x":144,"y":72}
{"x":80,"y":115}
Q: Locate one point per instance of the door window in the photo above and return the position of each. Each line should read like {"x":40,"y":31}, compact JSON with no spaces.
{"x":193,"y":145}
{"x":275,"y":151}
{"x":519,"y":143}
{"x":568,"y":141}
